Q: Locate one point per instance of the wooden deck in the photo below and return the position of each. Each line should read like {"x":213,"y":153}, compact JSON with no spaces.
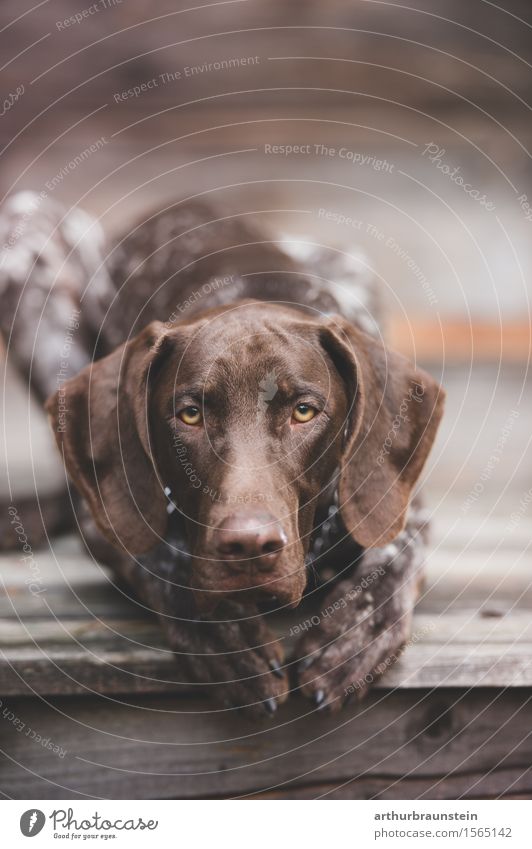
{"x":90,"y":704}
{"x":83,"y":670}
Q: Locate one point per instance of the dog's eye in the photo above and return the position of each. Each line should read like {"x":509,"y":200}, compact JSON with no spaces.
{"x":190,"y":415}
{"x":303,"y":413}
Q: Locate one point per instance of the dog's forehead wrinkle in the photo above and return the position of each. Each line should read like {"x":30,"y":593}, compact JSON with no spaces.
{"x":265,"y":337}
{"x":258,"y":325}
{"x":266,"y":372}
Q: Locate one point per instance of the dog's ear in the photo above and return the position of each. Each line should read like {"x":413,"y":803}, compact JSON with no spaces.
{"x":100,"y":420}
{"x":394,"y":412}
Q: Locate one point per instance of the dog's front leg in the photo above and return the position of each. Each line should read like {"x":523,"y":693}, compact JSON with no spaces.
{"x":364,"y":623}
{"x":232,"y":655}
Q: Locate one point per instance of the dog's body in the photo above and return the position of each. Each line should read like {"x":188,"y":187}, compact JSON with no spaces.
{"x":242,"y":439}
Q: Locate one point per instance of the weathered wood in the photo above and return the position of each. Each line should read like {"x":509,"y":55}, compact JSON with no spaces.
{"x":174,"y":748}
{"x":458,"y":649}
{"x":81,"y":634}
{"x":490,"y":785}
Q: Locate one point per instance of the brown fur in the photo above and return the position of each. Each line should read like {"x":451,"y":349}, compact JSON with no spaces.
{"x":268,"y":487}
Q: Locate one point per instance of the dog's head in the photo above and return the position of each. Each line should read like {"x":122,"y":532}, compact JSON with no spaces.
{"x":247,"y":416}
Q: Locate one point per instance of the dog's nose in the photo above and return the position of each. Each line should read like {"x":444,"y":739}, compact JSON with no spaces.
{"x":243,"y":536}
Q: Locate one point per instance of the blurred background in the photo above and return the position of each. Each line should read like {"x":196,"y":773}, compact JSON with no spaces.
{"x":413,"y":126}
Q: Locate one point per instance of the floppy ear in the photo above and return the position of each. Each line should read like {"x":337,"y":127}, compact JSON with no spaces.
{"x":395,"y":410}
{"x":100,"y":419}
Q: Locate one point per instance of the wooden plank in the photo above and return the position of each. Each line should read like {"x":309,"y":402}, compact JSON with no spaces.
{"x":168,"y":747}
{"x":81,"y":634}
{"x":78,"y":671}
{"x":458,"y":649}
{"x":94,"y":633}
{"x":465,"y":546}
{"x":459,"y":626}
{"x":490,"y":785}
{"x":472,"y":582}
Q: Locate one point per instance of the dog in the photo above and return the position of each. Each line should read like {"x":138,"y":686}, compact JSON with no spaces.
{"x":240,"y":437}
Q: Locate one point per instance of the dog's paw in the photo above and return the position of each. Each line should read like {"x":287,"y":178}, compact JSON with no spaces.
{"x":239,"y":662}
{"x":343,"y":655}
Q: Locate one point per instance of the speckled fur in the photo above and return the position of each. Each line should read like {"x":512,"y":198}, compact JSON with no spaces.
{"x":56,"y":262}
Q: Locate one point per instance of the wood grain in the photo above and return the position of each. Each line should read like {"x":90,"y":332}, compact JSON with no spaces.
{"x":412,"y":742}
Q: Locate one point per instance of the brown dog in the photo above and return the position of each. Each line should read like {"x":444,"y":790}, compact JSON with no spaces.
{"x":250,"y":437}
